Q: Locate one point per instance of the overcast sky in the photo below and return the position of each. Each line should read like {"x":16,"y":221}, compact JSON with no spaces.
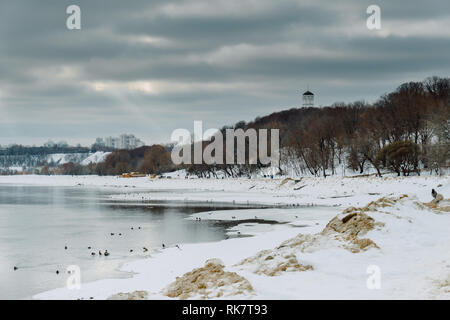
{"x":150,"y":66}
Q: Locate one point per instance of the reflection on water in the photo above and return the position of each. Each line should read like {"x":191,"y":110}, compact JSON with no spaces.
{"x":36,"y":223}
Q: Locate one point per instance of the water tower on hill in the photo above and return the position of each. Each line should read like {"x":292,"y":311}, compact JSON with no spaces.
{"x":308,"y":99}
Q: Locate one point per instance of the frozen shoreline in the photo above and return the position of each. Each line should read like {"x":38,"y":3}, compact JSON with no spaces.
{"x":414,"y":253}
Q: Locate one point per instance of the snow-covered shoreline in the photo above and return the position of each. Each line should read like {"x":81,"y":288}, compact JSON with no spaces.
{"x":413,"y":251}
{"x":330,"y":191}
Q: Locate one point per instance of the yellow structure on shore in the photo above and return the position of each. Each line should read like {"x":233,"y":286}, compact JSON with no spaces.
{"x":133,"y":175}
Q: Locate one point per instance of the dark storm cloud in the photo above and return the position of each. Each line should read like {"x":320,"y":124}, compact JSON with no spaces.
{"x":148,"y":67}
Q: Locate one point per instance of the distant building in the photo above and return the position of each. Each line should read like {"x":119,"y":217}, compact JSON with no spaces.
{"x":49,"y":144}
{"x":100,"y":142}
{"x":308,"y":99}
{"x":124,"y":141}
{"x":62,"y":144}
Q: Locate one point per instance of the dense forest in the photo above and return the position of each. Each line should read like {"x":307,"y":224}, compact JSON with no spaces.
{"x":405,"y":131}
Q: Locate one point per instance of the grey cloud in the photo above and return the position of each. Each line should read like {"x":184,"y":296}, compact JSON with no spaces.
{"x":35,"y":46}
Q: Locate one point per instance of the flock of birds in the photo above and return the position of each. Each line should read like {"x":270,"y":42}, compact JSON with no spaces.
{"x":106,"y":253}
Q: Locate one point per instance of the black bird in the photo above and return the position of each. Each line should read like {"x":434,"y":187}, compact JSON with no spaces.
{"x":112,"y":233}
{"x":139,"y":228}
{"x":57,"y":272}
{"x":178,"y":246}
{"x":89,"y":247}
{"x":145,"y":249}
{"x":120,"y":234}
{"x":434,"y":193}
{"x":15,"y":268}
{"x":99,"y":253}
{"x":92,"y":253}
{"x":164,"y":246}
{"x":106,"y":253}
{"x":65,"y":248}
{"x":131,"y":250}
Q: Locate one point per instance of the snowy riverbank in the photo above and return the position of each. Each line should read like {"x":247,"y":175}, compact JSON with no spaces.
{"x":332,"y":191}
{"x":408,"y":242}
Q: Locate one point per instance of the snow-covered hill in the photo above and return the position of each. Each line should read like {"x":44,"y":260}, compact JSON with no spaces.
{"x":95,"y":157}
{"x":26,"y":162}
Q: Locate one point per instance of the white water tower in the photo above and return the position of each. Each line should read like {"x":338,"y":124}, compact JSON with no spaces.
{"x":308,"y":99}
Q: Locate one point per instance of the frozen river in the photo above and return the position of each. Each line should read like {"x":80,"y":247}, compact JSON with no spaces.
{"x":37,"y":223}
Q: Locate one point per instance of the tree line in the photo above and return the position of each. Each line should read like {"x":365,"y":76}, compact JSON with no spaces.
{"x":20,"y":150}
{"x":405,"y":131}
{"x":153,"y":159}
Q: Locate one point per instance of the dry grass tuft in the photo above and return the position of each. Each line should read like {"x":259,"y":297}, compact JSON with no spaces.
{"x":438,"y":205}
{"x":345,"y":230}
{"x":135,"y":295}
{"x":210,"y":281}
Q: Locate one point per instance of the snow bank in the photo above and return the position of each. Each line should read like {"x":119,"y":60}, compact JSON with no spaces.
{"x":274,"y":262}
{"x":210,"y":281}
{"x":412,"y":254}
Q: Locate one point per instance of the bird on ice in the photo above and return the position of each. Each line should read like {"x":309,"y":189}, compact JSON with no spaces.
{"x":434,"y":193}
{"x":437,"y":197}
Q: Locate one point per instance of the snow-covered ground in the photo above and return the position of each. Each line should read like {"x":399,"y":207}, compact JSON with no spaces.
{"x":331,"y":191}
{"x":82,"y":158}
{"x":402,"y":248}
{"x":95,"y":157}
{"x":58,"y":159}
